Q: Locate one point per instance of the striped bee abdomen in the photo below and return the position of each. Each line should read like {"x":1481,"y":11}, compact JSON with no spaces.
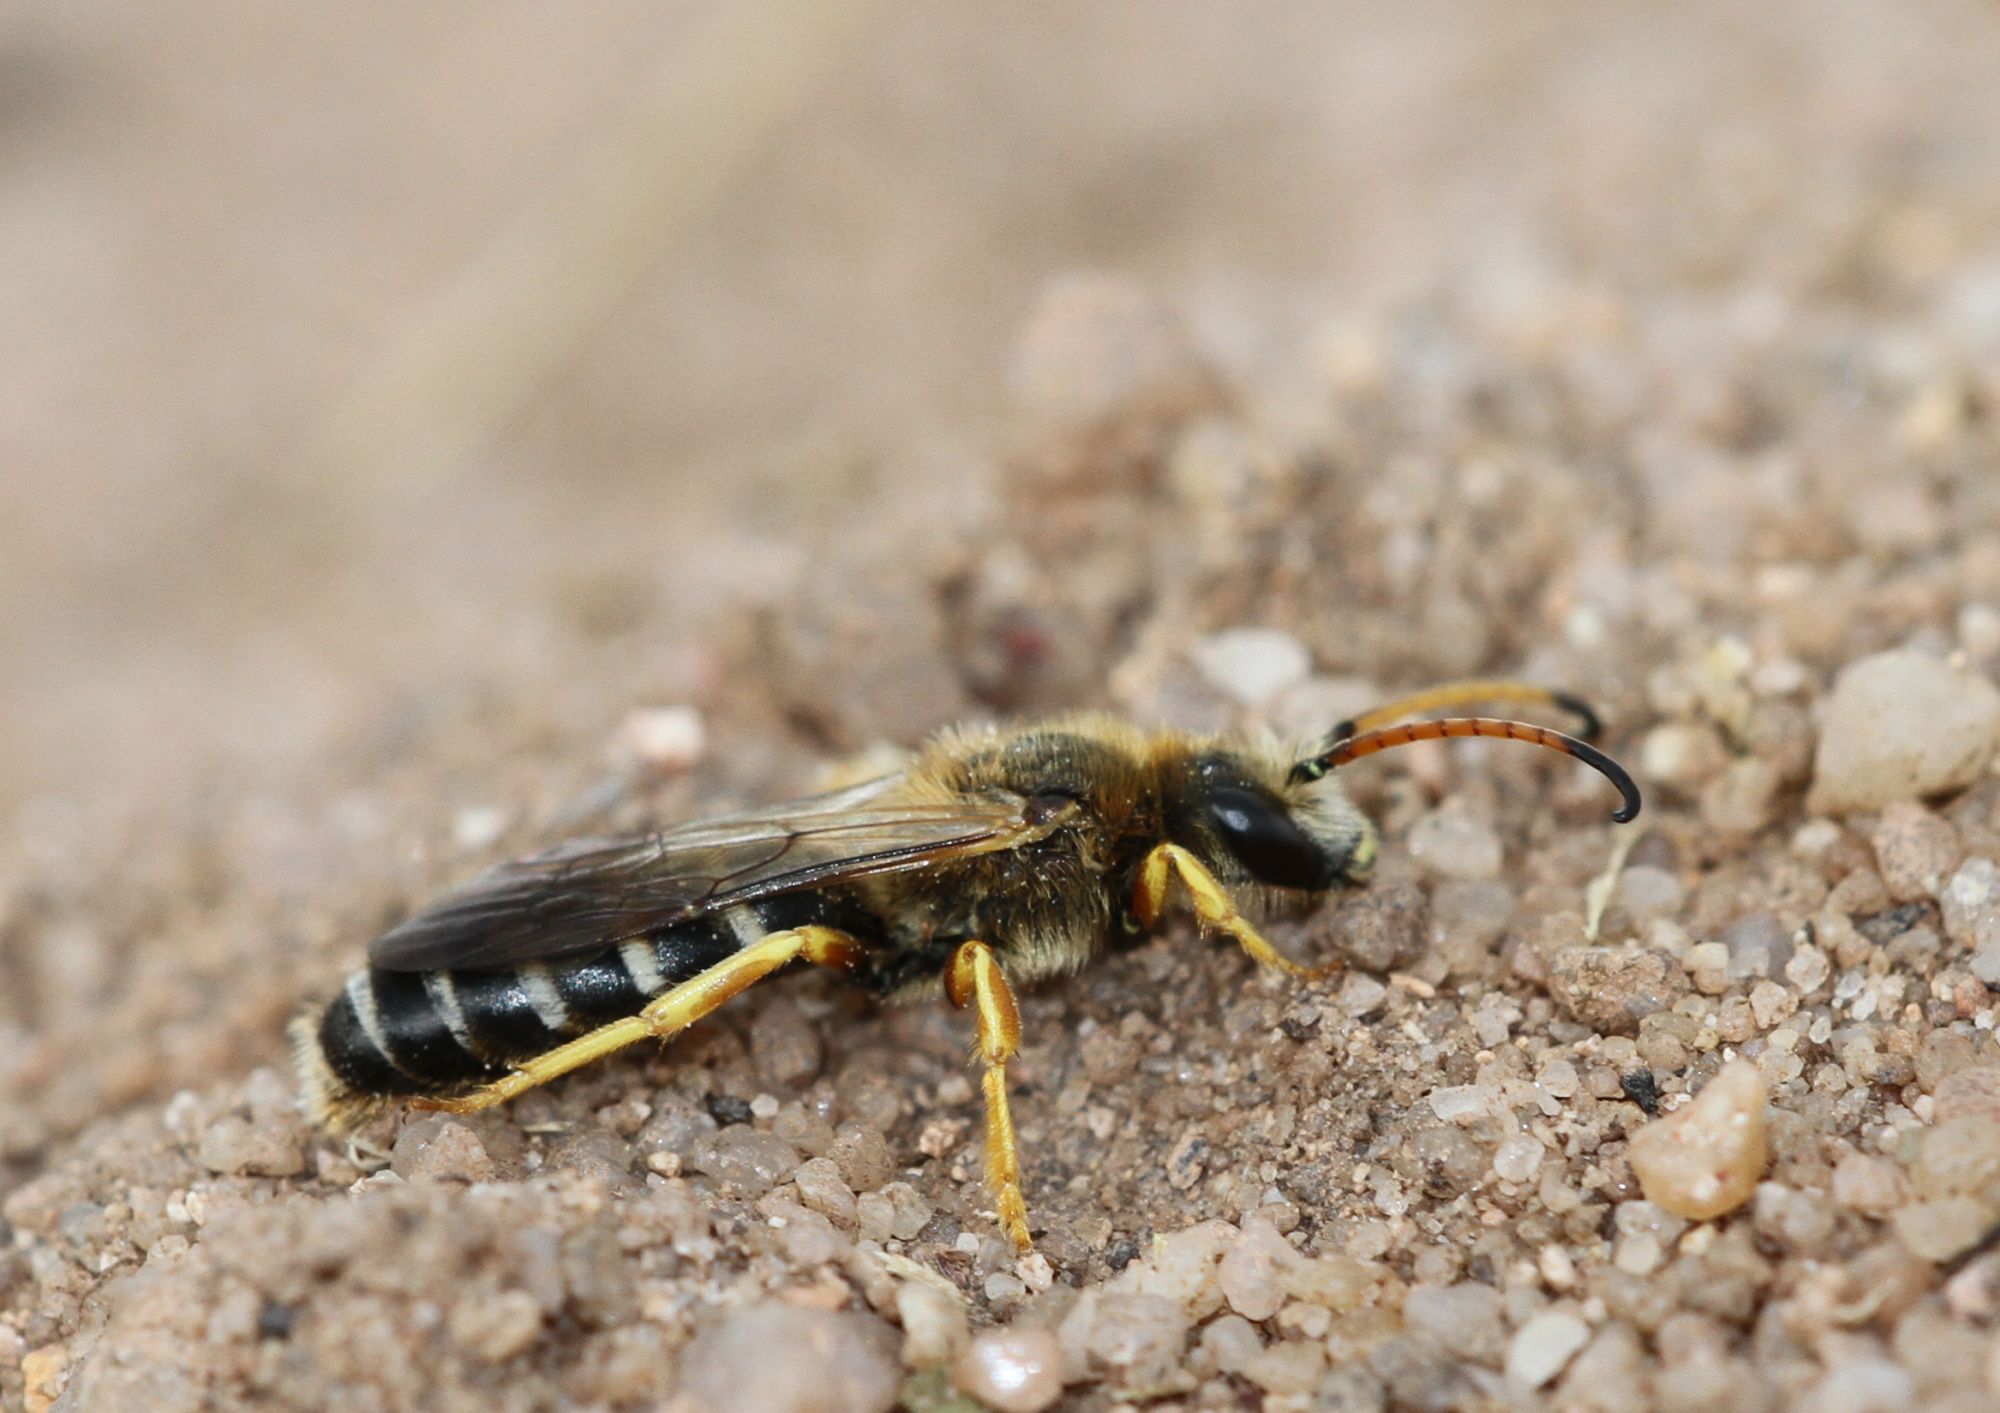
{"x":392,"y":1034}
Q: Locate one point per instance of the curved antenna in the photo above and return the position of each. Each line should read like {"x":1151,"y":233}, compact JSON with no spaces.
{"x":1353,"y":748}
{"x":1483,"y":689}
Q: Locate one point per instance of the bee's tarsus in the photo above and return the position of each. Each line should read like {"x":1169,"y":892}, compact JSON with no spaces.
{"x":1213,"y":907}
{"x":975,"y":979}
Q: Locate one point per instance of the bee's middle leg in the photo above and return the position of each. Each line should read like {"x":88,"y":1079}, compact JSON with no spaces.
{"x":1213,"y":906}
{"x":666,"y":1015}
{"x":975,"y":978}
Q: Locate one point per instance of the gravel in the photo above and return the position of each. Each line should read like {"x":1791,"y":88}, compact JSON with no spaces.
{"x":1611,"y":990}
{"x":1542,"y":1346}
{"x":789,"y":1360}
{"x":1011,"y":1370}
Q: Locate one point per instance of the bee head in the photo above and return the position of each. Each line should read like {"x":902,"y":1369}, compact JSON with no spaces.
{"x":1303,"y":836}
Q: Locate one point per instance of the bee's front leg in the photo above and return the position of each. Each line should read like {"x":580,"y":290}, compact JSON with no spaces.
{"x":975,"y":978}
{"x":1213,"y":907}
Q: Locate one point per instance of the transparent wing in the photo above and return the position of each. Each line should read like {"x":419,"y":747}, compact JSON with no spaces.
{"x":589,"y":894}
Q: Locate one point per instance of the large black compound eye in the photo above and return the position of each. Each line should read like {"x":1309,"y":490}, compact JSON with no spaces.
{"x":1268,"y":841}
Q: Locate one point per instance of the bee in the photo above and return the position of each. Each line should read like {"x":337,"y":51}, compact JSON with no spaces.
{"x":999,"y":856}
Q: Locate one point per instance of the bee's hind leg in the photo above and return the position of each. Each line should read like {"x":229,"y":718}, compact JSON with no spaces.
{"x":975,"y":978}
{"x":1213,"y":906}
{"x":665,"y":1015}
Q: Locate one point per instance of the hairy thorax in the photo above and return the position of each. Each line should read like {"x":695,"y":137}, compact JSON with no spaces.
{"x":1046,"y":908}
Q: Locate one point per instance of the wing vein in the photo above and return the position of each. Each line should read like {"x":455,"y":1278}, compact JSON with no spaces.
{"x":590,"y":895}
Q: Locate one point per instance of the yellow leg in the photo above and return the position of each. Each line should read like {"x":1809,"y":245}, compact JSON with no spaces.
{"x":664,"y":1016}
{"x":1213,"y":906}
{"x":975,"y":978}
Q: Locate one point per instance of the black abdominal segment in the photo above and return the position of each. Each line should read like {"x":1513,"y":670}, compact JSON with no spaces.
{"x":398,"y":1032}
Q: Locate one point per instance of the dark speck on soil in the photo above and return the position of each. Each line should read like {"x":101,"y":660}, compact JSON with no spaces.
{"x":726,"y":1109}
{"x":1642,"y":1089}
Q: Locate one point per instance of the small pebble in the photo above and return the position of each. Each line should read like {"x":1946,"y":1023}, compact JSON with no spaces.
{"x":1465,"y":1318}
{"x":1012,"y":1370}
{"x":1959,"y":1156}
{"x":1970,"y":1091}
{"x":232,"y":1146}
{"x":1183,"y":1266}
{"x":1517,"y":1158}
{"x":874,"y":1217}
{"x":1771,"y":1003}
{"x":1251,"y":665}
{"x":1139,"y":1336}
{"x":862,"y":1156}
{"x":1229,"y":1343}
{"x":777,"y":1357}
{"x":1711,"y":957}
{"x":1808,"y":970}
{"x":1683,"y":754}
{"x":1542,"y":1347}
{"x":1938,"y":1231}
{"x":1743,"y":799}
{"x":785,"y":1045}
{"x":821,"y":1190}
{"x":1915,"y":850}
{"x":1558,"y":1078}
{"x":908,"y":1211}
{"x":1639,"y":1254}
{"x":1704,"y":1160}
{"x":934,"y":1324}
{"x":477,"y":827}
{"x":1186,"y":1161}
{"x":1645,"y":892}
{"x":42,"y":1374}
{"x":1036,"y":1271}
{"x":1250,"y":1272}
{"x":745,"y":1159}
{"x":1287,"y":1369}
{"x":1336,"y":1281}
{"x":1455,"y":1102}
{"x":669,"y":738}
{"x":1873,"y":1186}
{"x":499,"y":1327}
{"x":441,"y":1150}
{"x":1380,"y":928}
{"x":1361,"y":994}
{"x":1612,"y":989}
{"x":1970,"y":905}
{"x":1448,"y":843}
{"x":1004,"y":1288}
{"x":1099,"y":348}
{"x":1898,"y":726}
{"x":1755,"y":946}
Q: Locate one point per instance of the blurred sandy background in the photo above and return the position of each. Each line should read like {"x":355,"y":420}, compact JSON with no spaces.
{"x":355,"y":351}
{"x":396,"y":399}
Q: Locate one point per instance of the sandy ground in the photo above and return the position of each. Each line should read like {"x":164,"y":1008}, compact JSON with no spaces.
{"x":361,"y":513}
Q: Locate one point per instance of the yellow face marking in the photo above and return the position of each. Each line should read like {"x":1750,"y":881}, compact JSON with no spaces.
{"x":975,"y":979}
{"x":1214,"y":909}
{"x":1361,"y":863}
{"x":666,"y":1016}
